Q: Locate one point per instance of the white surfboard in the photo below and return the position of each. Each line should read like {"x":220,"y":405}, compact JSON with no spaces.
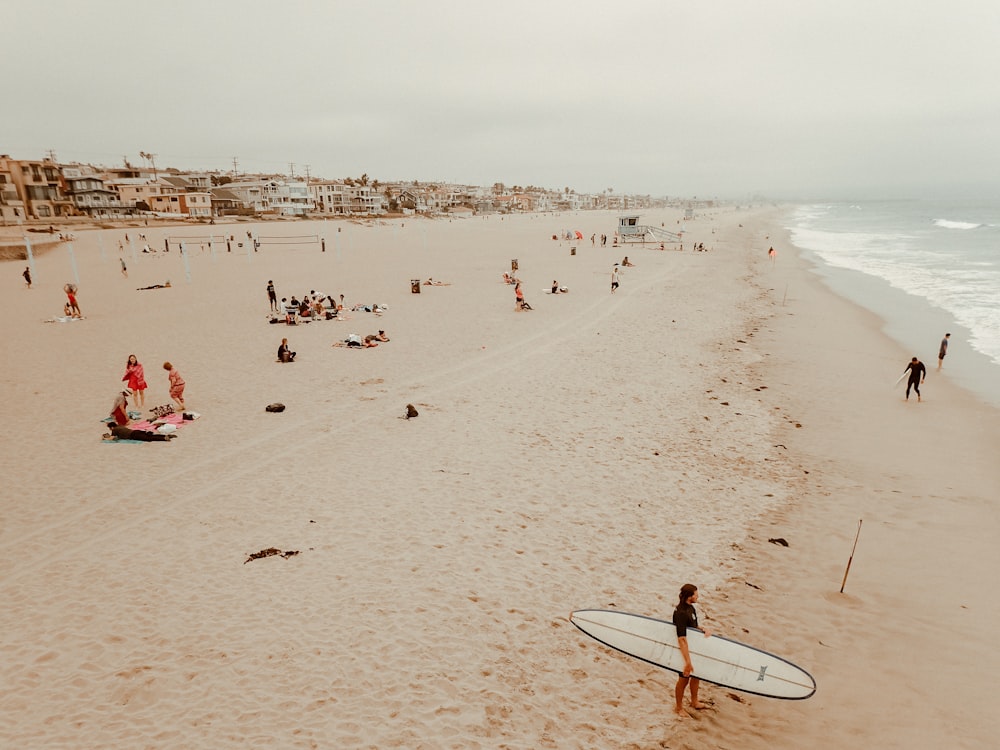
{"x":715,"y":659}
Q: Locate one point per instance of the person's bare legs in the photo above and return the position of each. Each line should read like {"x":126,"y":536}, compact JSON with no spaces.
{"x":695,"y":684}
{"x":140,"y":398}
{"x":682,"y":683}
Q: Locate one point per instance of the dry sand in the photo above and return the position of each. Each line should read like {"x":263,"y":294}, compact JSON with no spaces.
{"x":597,"y":451}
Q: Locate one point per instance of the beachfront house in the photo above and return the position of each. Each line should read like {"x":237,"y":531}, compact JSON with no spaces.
{"x":200,"y":182}
{"x":135,"y":190}
{"x":91,"y":197}
{"x":226,"y":203}
{"x":365,"y":200}
{"x":331,"y":197}
{"x":11,"y":206}
{"x":39,"y":186}
{"x":193,"y":204}
{"x":412,"y":200}
{"x":273,"y":196}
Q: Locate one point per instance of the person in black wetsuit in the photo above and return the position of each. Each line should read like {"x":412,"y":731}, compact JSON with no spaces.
{"x":686,"y":617}
{"x":918,"y":374}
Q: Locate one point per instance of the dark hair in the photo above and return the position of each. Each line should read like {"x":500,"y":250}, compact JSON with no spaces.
{"x":687,"y":591}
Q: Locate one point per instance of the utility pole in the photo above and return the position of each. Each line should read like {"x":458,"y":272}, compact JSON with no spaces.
{"x":235,"y":162}
{"x":52,"y":154}
{"x":307,"y":175}
{"x":291,"y":167}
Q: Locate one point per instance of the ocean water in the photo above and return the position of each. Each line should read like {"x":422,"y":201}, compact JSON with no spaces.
{"x":926,"y":267}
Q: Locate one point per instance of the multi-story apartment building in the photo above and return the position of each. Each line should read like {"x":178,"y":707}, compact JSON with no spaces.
{"x":91,"y":197}
{"x":12,"y":209}
{"x":39,"y":186}
{"x":273,"y":196}
{"x":331,"y":197}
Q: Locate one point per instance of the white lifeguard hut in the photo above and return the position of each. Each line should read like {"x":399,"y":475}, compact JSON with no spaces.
{"x":630,"y":230}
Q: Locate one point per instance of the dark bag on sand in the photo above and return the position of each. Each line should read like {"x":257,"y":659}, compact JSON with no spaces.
{"x":274,"y":407}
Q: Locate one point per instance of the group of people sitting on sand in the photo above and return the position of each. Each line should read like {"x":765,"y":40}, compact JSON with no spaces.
{"x":313,"y":306}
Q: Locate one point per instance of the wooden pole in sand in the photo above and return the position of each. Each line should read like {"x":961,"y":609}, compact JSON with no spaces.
{"x":31,"y":255}
{"x":851,"y":558}
{"x":187,"y":264}
{"x":72,"y":262}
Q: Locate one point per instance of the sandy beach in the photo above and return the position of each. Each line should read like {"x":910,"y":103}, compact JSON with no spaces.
{"x":597,"y":451}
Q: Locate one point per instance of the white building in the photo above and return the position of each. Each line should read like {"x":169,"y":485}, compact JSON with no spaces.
{"x":337,"y":198}
{"x":273,"y":196}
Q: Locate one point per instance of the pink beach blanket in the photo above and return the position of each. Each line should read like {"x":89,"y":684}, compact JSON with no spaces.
{"x":176,"y":419}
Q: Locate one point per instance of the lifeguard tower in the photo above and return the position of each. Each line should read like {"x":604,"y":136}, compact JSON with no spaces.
{"x":630,"y":230}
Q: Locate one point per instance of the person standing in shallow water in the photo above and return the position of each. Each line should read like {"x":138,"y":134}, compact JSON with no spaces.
{"x":918,"y":373}
{"x":942,"y":351}
{"x":686,"y":617}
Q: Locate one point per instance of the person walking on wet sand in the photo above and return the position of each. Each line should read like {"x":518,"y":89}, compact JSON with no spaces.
{"x":918,"y":373}
{"x":124,"y":268}
{"x":27,"y":276}
{"x":686,"y":617}
{"x":942,"y":351}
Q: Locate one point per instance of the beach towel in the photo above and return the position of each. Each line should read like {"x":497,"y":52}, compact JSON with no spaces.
{"x":175,"y":419}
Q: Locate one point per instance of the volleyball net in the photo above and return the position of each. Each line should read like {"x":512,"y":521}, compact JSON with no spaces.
{"x":235,"y":241}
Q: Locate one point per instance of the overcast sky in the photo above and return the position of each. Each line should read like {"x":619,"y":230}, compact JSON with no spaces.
{"x":796,"y":99}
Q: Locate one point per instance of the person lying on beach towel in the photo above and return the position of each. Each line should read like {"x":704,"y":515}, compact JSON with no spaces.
{"x":380,"y":336}
{"x":372,"y":308}
{"x":431,"y":282}
{"x":154,"y":286}
{"x":120,"y":432}
{"x":354,"y":341}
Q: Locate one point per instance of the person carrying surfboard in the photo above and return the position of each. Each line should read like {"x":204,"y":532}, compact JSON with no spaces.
{"x":686,"y":617}
{"x":917,"y":375}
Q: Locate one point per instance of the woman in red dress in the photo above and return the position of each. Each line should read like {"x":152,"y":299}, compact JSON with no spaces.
{"x":136,"y":378}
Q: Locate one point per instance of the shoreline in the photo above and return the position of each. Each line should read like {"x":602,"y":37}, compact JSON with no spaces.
{"x":909,"y":320}
{"x":924,"y":549}
{"x":597,"y":451}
